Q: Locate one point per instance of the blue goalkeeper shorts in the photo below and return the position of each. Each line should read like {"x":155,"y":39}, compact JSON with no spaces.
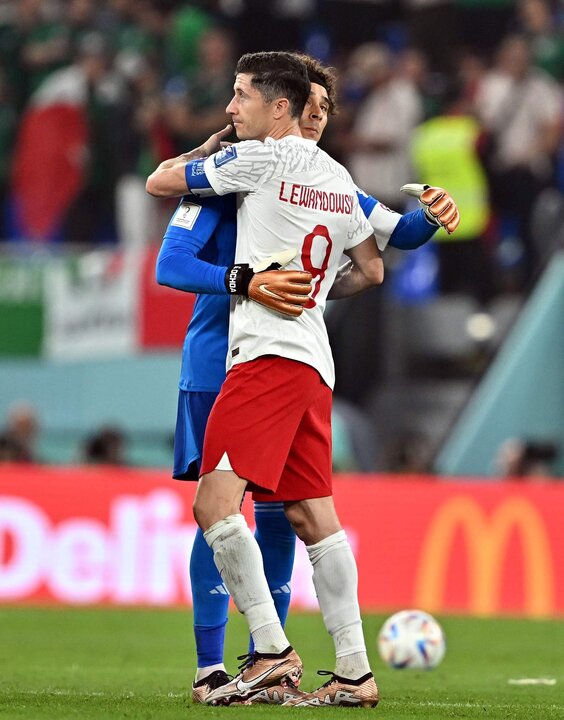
{"x":191,"y":420}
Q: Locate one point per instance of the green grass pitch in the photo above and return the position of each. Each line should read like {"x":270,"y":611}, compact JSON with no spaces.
{"x":131,"y":663}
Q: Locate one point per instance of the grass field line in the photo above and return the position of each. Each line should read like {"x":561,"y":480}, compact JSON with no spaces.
{"x":473,"y":705}
{"x":46,"y":692}
{"x":95,"y":667}
{"x":395,"y":703}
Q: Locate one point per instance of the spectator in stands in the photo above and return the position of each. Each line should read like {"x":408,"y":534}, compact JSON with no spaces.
{"x":433,"y":29}
{"x":538,"y":24}
{"x":145,"y":142}
{"x":21,"y":431}
{"x":125,"y":31}
{"x":81,"y":18}
{"x":95,"y":95}
{"x":445,"y":153}
{"x":526,"y":458}
{"x":196,"y":112}
{"x":471,"y":70}
{"x":186,"y":26}
{"x":520,"y":107}
{"x":483,"y":23}
{"x":413,"y":67}
{"x":139,"y":27}
{"x":107,"y":446}
{"x":91,"y":218}
{"x":376,"y":147}
{"x":9,"y":450}
{"x":34,"y":44}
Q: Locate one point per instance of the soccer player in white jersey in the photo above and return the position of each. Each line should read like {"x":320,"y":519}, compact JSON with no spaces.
{"x":270,"y":428}
{"x":181,"y":266}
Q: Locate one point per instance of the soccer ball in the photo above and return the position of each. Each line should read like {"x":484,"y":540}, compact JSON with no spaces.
{"x":411,"y":639}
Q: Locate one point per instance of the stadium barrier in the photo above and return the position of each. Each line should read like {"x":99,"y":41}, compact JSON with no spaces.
{"x":76,"y":535}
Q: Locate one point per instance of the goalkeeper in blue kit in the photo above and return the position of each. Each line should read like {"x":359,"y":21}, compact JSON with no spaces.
{"x":197,"y":255}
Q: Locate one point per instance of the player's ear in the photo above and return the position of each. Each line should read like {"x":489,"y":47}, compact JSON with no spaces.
{"x":280,"y":107}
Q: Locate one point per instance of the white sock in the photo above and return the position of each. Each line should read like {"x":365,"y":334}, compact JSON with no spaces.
{"x":202,"y":673}
{"x":239,"y":561}
{"x":268,"y":636}
{"x":352,"y":666}
{"x":335,"y":578}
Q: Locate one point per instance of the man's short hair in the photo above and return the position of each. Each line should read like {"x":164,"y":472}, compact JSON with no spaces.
{"x":277,"y":74}
{"x":322,"y":75}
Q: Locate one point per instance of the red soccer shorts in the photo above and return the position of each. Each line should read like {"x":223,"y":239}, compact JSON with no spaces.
{"x":273,"y":419}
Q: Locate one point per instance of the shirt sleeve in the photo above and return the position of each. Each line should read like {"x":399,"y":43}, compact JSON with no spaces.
{"x":405,"y":232}
{"x":382,"y":219}
{"x":359,"y":227}
{"x":189,"y":229}
{"x":367,"y":202}
{"x":412,"y":231}
{"x":242,"y":167}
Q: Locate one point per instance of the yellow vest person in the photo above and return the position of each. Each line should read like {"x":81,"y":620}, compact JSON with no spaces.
{"x":444,"y":154}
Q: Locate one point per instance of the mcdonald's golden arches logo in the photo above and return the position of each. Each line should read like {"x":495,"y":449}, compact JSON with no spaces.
{"x":486,"y":540}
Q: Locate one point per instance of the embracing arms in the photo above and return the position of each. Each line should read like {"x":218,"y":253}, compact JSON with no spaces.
{"x":410,"y":231}
{"x":169,"y":179}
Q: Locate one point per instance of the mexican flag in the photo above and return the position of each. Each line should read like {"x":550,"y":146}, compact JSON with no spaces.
{"x":50,"y":154}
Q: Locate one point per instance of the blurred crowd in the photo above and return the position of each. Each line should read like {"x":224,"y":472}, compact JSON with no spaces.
{"x":465,"y":94}
{"x":20,"y":440}
{"x":353,"y":446}
{"x":461,"y":93}
{"x":22,"y":435}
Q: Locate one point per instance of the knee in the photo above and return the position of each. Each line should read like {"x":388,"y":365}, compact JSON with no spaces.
{"x":218,"y":495}
{"x":200,"y":514}
{"x":299,"y":520}
{"x":312,"y":521}
{"x":206,"y":513}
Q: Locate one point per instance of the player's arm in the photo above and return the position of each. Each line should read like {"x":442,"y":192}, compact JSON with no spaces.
{"x":188,"y":231}
{"x":239,"y":167}
{"x":169,"y":179}
{"x":285,"y":291}
{"x":179,"y":267}
{"x":364,"y":270}
{"x":406,"y":232}
{"x":413,"y":229}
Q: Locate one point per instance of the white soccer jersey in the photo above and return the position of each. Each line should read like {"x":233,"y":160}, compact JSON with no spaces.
{"x":292,"y":195}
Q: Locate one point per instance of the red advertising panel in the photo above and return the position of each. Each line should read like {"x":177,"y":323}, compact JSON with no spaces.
{"x":115,"y":536}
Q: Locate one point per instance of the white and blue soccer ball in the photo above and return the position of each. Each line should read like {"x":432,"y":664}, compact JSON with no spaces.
{"x":411,"y":639}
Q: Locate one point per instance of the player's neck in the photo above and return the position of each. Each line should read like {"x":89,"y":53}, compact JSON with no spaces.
{"x":280,"y":130}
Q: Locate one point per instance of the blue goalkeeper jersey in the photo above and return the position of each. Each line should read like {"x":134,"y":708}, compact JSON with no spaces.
{"x":199,"y":246}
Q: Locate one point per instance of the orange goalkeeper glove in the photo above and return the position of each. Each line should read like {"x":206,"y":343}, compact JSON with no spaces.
{"x":438,"y":205}
{"x":285,"y":291}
